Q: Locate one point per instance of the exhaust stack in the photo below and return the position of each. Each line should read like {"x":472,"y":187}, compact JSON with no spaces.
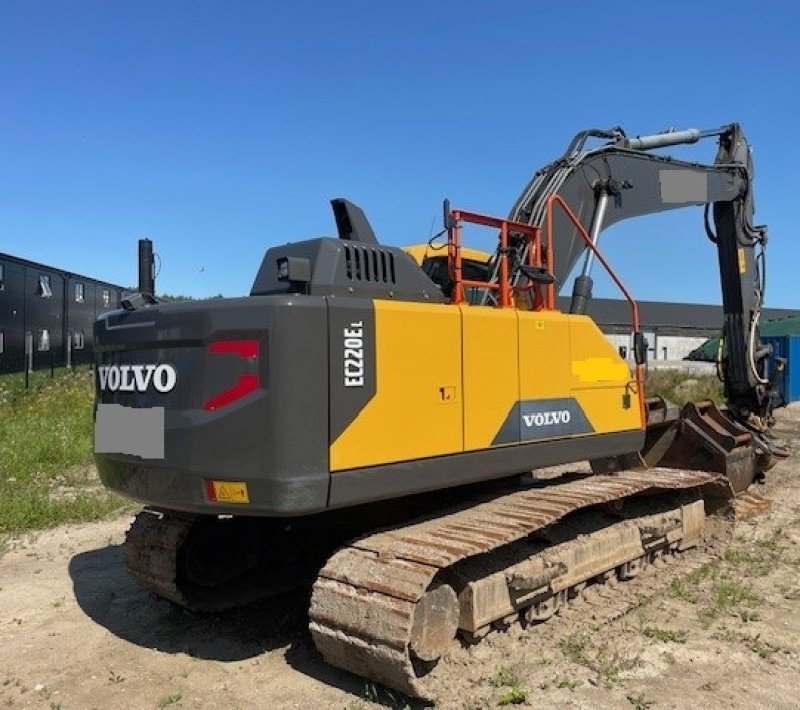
{"x":147,"y":278}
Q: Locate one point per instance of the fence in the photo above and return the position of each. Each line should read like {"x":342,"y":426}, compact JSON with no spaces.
{"x":34,"y":360}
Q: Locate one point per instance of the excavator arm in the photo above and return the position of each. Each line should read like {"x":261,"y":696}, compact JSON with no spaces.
{"x":621,"y":179}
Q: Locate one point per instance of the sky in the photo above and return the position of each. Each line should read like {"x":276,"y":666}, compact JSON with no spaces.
{"x":218,"y":129}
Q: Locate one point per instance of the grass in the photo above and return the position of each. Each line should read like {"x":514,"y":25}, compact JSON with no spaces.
{"x":516,"y":694}
{"x":574,"y":648}
{"x":759,"y":557}
{"x":681,"y":387}
{"x":639,"y":702}
{"x":760,"y":648}
{"x":380,"y":694}
{"x":722,"y":588}
{"x":46,"y":472}
{"x":513,"y":696}
{"x":664,"y":635}
{"x":505,"y":677}
{"x":568,"y":683}
{"x":599,"y":655}
{"x":171,"y":699}
{"x":731,"y":593}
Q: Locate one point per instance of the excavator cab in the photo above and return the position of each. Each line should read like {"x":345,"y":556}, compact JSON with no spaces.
{"x":434,"y":262}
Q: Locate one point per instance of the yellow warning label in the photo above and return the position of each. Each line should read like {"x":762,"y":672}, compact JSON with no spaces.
{"x":229,"y":491}
{"x":742,"y":261}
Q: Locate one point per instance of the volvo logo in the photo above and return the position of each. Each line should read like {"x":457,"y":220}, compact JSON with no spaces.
{"x":547,"y":418}
{"x":136,"y":378}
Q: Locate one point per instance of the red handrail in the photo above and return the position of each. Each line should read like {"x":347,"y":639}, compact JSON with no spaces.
{"x":557,"y":199}
{"x":505,"y":226}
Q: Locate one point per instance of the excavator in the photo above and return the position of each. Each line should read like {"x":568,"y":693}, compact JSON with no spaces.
{"x":365,"y":423}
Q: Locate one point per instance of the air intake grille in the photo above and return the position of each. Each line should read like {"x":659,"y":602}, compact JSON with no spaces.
{"x":367,"y":264}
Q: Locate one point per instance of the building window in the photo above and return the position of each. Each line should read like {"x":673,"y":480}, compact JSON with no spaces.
{"x":78,"y":293}
{"x":78,"y":340}
{"x":106,"y":298}
{"x":44,"y":286}
{"x":43,"y":342}
{"x":2,"y":277}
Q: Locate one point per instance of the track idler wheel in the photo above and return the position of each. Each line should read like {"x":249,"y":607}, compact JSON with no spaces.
{"x":435,"y":623}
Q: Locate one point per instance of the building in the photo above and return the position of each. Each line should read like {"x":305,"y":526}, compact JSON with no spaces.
{"x":47,"y":314}
{"x":672,"y":330}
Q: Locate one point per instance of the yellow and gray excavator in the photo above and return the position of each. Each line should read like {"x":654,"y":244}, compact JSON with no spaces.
{"x":360,"y":421}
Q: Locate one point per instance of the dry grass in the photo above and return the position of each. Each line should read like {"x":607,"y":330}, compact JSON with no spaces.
{"x":681,"y":387}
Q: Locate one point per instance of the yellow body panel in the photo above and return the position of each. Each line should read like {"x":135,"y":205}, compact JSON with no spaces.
{"x":416,"y":411}
{"x":601,"y":380}
{"x":491,"y":376}
{"x":449,"y":378}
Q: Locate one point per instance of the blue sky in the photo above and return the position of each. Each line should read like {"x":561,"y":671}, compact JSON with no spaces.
{"x":220,"y":128}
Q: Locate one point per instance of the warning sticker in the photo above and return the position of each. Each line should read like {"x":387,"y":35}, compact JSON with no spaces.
{"x":227,"y":491}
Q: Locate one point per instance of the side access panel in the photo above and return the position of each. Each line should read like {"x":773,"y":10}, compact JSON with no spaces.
{"x":491,"y":372}
{"x":546,"y":409}
{"x":412,"y":409}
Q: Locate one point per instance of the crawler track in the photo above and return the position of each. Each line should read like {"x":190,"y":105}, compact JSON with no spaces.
{"x":209,"y":565}
{"x":387,"y":605}
{"x":151,"y":552}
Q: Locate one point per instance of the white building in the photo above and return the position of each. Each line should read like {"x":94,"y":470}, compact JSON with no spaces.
{"x":672,"y":330}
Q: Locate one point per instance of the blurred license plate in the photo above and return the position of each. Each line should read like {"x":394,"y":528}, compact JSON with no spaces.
{"x":129,"y":430}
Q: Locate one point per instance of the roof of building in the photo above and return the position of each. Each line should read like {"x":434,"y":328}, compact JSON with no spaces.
{"x":55,"y":269}
{"x":675,"y":317}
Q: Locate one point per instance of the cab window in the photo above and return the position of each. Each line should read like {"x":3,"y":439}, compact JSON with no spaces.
{"x":436,"y":269}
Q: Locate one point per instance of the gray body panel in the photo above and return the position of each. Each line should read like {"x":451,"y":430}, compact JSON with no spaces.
{"x":379,"y":482}
{"x":276,"y":439}
{"x":347,"y":268}
{"x":543,"y":419}
{"x":346,"y":402}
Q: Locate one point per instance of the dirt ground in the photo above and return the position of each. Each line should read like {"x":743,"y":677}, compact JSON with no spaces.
{"x":718,"y":628}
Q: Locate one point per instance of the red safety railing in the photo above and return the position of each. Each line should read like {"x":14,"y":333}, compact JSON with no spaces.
{"x":558,"y":200}
{"x":539,"y":256}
